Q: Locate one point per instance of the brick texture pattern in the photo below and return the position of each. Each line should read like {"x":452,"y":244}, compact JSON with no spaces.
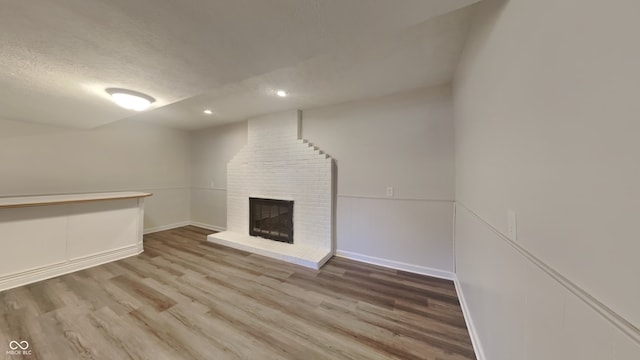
{"x":276,"y":164}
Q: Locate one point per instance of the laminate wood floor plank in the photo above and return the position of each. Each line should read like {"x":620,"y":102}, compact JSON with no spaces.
{"x":232,"y":342}
{"x":185,"y":298}
{"x":248,"y":315}
{"x":175,"y":334}
{"x":440,"y":288}
{"x":437,"y":340}
{"x":122,"y":332}
{"x":96,"y":295}
{"x":423,"y":324}
{"x":400,"y":289}
{"x":292,"y":313}
{"x":136,"y":287}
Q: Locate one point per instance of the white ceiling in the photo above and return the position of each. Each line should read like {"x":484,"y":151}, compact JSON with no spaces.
{"x":57,"y":57}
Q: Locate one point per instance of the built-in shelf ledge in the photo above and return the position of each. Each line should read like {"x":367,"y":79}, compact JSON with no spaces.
{"x":50,"y":235}
{"x":44,"y":200}
{"x":306,"y":256}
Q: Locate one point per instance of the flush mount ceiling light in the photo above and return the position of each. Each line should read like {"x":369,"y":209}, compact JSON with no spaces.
{"x":129,"y":99}
{"x":281,"y":93}
{"x":208,"y":112}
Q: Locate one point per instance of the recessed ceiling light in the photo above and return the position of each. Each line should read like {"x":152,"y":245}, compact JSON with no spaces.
{"x":129,"y":99}
{"x":208,"y":112}
{"x":281,"y":93}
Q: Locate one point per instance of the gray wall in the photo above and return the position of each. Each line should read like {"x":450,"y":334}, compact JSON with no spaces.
{"x":211,"y":150}
{"x":546,"y":108}
{"x":42,"y":159}
{"x":404,"y":141}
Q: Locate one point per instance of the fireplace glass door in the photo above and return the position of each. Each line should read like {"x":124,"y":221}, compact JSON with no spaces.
{"x":271,"y":219}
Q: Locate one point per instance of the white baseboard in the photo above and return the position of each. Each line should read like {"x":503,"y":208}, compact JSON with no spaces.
{"x":417,"y":269}
{"x":65,"y":267}
{"x":473,"y":333}
{"x":49,"y":271}
{"x":208,"y":226}
{"x":166,"y":227}
{"x":181,"y":224}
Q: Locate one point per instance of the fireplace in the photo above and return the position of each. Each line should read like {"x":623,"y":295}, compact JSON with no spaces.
{"x":276,"y":163}
{"x":271,"y":219}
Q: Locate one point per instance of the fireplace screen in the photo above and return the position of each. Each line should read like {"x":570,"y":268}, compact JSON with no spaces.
{"x":271,"y":219}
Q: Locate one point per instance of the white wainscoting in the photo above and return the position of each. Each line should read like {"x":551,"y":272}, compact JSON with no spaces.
{"x":412,"y":234}
{"x":168,"y":207}
{"x":208,"y":226}
{"x":166,"y":227}
{"x":209,"y":206}
{"x":181,"y":224}
{"x":403,"y":233}
{"x":518,"y":307}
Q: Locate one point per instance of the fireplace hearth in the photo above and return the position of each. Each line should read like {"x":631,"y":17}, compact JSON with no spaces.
{"x":271,"y":219}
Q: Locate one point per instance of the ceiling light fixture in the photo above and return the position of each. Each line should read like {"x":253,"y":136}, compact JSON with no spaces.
{"x":208,"y":112}
{"x":281,"y":93}
{"x":129,"y":99}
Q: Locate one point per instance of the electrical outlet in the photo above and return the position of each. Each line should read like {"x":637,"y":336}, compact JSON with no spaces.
{"x":512,"y":225}
{"x":212,"y":184}
{"x":389,"y":190}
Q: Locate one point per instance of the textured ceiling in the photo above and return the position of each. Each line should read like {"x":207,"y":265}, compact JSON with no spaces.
{"x":57,"y":57}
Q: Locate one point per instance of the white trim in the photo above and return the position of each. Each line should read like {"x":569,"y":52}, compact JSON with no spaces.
{"x":453,"y":240}
{"x":65,"y":267}
{"x":208,"y":226}
{"x":140,"y":240}
{"x":418,"y":269}
{"x":50,"y":200}
{"x":181,"y":224}
{"x":607,"y":313}
{"x":473,"y":332}
{"x":145,"y":189}
{"x":374,"y":197}
{"x":208,"y":188}
{"x":154,"y":188}
{"x":166,"y":227}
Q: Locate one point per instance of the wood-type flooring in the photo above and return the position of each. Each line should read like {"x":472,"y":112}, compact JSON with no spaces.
{"x":184,"y":298}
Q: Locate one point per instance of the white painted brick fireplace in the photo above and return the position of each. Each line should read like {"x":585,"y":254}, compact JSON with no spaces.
{"x":277,"y":164}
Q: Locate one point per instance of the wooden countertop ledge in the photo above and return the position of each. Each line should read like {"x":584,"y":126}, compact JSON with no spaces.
{"x":44,"y":200}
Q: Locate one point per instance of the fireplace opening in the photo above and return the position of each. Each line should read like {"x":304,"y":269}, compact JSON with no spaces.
{"x":271,"y":219}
